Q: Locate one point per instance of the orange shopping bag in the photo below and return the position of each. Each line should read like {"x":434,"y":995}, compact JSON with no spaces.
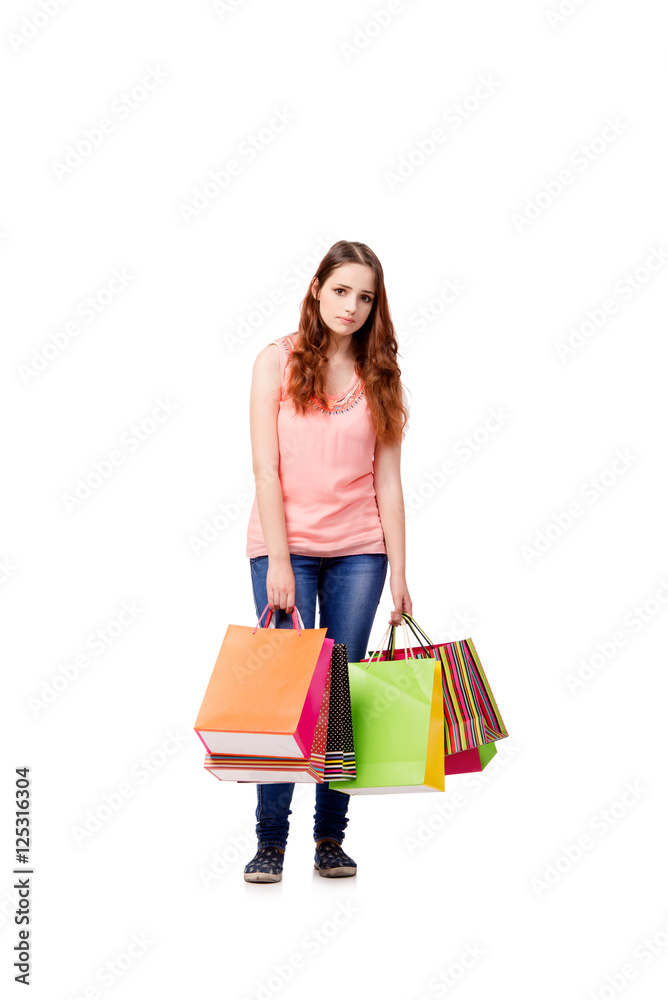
{"x":266,"y":690}
{"x":265,"y":770}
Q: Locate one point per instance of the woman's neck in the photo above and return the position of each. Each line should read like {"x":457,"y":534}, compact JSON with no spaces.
{"x":339,"y":349}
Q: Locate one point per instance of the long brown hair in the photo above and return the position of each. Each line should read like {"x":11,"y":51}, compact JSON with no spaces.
{"x":375,"y":343}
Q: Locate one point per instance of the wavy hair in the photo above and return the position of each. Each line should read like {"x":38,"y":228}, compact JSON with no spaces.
{"x":375,"y":343}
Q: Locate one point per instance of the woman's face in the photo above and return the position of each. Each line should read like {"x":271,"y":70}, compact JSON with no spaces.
{"x":348,"y":293}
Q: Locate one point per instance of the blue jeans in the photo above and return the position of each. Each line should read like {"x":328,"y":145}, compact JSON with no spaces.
{"x":348,"y":589}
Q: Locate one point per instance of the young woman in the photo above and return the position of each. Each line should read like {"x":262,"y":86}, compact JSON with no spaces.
{"x":328,"y":416}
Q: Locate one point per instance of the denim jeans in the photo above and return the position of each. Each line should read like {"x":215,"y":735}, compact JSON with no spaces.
{"x":348,"y":590}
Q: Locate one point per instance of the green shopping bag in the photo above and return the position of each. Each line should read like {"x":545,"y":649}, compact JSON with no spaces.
{"x":397,"y":710}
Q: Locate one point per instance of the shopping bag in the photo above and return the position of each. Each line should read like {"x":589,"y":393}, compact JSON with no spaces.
{"x":332,"y":753}
{"x":265,"y":692}
{"x":468,"y":761}
{"x":340,"y":750}
{"x":263,"y":770}
{"x":397,"y":713}
{"x":471,"y":714}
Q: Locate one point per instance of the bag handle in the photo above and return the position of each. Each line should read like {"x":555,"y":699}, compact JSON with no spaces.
{"x":389,"y":651}
{"x":413,"y":625}
{"x":390,"y":644}
{"x":407,"y":641}
{"x":406,"y":619}
{"x":379,"y":649}
{"x":297,"y":622}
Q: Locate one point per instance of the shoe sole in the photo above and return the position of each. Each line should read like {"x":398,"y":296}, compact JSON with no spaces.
{"x":335,"y":872}
{"x":261,"y":877}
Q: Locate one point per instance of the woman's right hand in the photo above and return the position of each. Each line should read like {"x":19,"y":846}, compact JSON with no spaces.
{"x":280,"y":584}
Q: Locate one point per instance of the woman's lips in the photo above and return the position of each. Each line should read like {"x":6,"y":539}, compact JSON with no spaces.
{"x":344,"y":320}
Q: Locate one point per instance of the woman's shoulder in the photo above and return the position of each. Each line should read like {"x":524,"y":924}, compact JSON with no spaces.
{"x":288,"y":342}
{"x":285,"y":344}
{"x":270,"y":362}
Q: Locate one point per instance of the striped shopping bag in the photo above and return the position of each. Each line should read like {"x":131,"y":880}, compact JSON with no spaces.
{"x":471,"y":714}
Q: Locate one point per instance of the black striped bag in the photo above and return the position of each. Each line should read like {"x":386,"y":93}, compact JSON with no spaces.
{"x":340,"y":754}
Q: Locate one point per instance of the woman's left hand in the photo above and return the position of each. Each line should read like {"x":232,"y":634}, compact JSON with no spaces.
{"x":401,"y":598}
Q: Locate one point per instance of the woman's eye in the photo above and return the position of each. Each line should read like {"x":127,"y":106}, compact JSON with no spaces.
{"x":367,"y":298}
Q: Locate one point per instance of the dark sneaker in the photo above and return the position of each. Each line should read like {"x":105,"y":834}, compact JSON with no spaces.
{"x":266,"y":866}
{"x":331,"y":861}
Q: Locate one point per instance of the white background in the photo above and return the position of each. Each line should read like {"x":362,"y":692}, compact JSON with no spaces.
{"x":496,"y":874}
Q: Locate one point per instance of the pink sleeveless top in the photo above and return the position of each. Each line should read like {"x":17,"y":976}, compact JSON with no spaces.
{"x":326,"y":474}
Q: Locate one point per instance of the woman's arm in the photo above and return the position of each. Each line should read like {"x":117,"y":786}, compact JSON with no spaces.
{"x":390,"y":497}
{"x":265,"y":396}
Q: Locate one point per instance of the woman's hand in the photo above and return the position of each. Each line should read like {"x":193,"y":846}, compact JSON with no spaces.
{"x":280,"y":584}
{"x":401,"y":598}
